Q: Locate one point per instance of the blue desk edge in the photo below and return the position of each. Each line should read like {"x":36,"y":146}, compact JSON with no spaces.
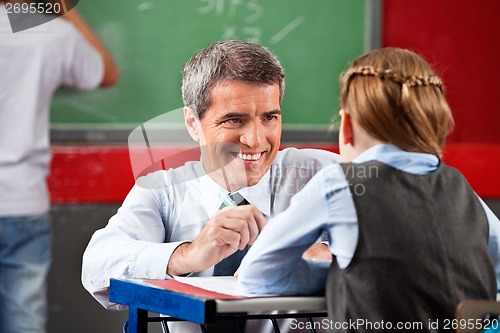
{"x":139,"y":295}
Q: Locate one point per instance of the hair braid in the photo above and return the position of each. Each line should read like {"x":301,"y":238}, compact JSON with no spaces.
{"x":401,"y":101}
{"x":405,"y":81}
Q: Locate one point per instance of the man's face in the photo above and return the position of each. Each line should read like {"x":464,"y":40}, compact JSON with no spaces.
{"x":241,"y":131}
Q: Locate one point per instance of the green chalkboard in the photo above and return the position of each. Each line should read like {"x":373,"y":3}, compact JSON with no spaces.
{"x":152,"y":39}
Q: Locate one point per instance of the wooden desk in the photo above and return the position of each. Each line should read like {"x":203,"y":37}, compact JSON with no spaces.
{"x":197,"y":305}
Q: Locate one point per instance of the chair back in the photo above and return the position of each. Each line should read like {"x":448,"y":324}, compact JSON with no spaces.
{"x":477,"y":316}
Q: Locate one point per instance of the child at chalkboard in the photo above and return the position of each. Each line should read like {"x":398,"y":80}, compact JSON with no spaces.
{"x":409,"y":237}
{"x":35,"y":62}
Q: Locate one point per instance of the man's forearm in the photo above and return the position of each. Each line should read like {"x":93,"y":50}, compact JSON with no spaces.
{"x":179,"y":263}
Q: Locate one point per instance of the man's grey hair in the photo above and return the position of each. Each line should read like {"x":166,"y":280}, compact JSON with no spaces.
{"x":228,"y":60}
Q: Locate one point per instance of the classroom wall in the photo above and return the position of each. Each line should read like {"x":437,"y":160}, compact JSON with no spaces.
{"x":460,"y":38}
{"x":90,"y":177}
{"x":71,"y":308}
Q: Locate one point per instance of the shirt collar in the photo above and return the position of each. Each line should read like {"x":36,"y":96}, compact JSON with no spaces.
{"x":418,"y":163}
{"x":208,"y":190}
{"x":258,"y":195}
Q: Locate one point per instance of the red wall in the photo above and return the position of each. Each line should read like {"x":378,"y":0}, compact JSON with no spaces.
{"x":103,"y":174}
{"x":461,"y":39}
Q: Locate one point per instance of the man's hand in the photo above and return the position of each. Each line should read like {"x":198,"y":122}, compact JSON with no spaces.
{"x":230,"y":229}
{"x":318,"y":251}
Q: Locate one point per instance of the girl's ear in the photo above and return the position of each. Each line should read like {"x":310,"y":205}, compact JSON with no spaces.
{"x":346,"y":128}
{"x":192,"y":123}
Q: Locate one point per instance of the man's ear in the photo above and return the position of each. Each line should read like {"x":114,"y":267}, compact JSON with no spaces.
{"x":192,"y":123}
{"x":346,"y":128}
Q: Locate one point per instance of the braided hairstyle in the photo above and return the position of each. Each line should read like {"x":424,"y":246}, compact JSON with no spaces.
{"x":397,"y":98}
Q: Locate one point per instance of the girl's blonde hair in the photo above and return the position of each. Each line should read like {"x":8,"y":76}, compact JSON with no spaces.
{"x":397,"y":98}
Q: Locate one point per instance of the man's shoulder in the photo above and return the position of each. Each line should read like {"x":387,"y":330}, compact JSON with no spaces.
{"x":176,"y":176}
{"x":305,"y":158}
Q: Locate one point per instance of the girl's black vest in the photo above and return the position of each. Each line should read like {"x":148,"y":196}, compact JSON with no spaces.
{"x":422,"y":248}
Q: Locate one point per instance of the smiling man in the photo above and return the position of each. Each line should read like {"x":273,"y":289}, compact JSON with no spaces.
{"x":174,"y":225}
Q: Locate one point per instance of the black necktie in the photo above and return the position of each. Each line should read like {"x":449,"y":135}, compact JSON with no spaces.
{"x":229,"y":265}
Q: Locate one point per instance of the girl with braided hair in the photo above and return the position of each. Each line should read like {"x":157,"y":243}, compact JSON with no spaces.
{"x":409,"y":237}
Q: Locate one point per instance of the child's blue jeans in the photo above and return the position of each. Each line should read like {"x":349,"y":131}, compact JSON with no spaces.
{"x":25,"y":258}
